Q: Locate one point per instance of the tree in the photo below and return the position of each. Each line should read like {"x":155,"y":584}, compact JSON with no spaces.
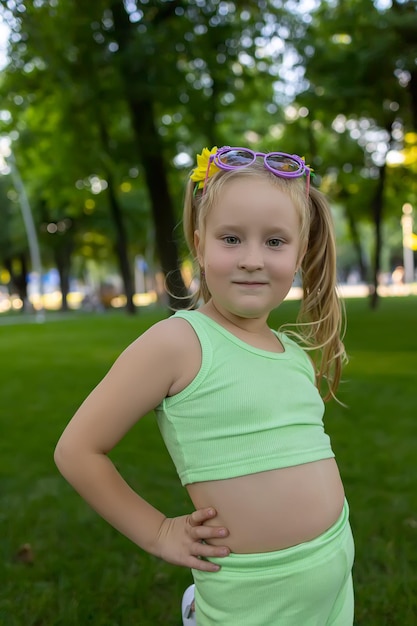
{"x":359,"y":64}
{"x":205,"y":65}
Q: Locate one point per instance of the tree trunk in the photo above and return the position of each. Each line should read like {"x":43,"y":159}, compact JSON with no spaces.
{"x":356,"y":240}
{"x":121,"y":245}
{"x":63,"y":270}
{"x":377,"y":210}
{"x":62,"y":257}
{"x":19,"y":279}
{"x":150,"y":150}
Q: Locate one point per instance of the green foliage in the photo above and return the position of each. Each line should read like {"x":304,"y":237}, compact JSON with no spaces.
{"x":70,"y":102}
{"x":360,"y":84}
{"x":337,"y":85}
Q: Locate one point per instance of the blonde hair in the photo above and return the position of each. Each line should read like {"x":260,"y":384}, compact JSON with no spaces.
{"x":320,"y":322}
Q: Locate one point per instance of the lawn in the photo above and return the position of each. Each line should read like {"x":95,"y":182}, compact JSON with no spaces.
{"x":83,"y":572}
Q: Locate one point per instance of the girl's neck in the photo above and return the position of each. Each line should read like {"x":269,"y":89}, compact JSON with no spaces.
{"x":234,"y":323}
{"x":253,"y":331}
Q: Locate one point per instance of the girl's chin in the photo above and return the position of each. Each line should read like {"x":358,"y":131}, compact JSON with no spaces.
{"x":251,"y":312}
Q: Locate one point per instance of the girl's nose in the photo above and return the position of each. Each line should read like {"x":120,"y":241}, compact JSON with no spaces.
{"x":251,"y":259}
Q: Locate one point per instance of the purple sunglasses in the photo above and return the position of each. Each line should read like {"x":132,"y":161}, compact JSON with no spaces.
{"x":279,"y":163}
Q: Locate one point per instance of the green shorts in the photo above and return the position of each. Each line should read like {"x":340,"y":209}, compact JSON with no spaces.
{"x":306,"y":585}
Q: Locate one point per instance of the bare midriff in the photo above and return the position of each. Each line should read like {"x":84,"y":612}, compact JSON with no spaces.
{"x":275,"y":509}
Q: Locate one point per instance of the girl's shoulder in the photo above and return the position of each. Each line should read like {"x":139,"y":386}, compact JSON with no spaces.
{"x":171,"y":334}
{"x":162,"y":358}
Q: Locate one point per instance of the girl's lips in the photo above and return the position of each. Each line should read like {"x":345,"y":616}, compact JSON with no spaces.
{"x":247,"y":282}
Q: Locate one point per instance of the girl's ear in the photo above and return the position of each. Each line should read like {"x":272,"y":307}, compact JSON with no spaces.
{"x":198,"y":247}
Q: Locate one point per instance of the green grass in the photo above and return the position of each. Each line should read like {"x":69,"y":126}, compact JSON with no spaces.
{"x":86,"y":573}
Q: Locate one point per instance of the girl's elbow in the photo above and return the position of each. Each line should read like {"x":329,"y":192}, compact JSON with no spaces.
{"x":58,"y":456}
{"x":64,"y":456}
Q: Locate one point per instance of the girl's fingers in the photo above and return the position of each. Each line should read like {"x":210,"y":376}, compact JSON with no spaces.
{"x":204,"y":566}
{"x":206,"y":551}
{"x":208,"y":532}
{"x":200,"y":516}
{"x":200,"y":561}
{"x":200,"y":532}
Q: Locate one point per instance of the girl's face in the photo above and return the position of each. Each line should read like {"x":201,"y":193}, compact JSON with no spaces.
{"x":251,"y":248}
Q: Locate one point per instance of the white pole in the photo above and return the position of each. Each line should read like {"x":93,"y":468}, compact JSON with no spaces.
{"x":34,"y":252}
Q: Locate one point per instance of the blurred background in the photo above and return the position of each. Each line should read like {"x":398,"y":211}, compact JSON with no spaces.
{"x":105,"y":104}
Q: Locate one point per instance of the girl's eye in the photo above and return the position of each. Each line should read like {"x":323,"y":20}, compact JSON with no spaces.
{"x":275,"y":242}
{"x":231,"y":240}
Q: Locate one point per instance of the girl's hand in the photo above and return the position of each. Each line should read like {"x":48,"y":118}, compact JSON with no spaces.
{"x":181,"y":540}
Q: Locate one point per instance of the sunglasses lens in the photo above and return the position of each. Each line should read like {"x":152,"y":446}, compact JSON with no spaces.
{"x":283,"y":163}
{"x":236,"y":158}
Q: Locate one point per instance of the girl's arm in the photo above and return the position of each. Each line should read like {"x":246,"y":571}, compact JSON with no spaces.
{"x":138,"y":381}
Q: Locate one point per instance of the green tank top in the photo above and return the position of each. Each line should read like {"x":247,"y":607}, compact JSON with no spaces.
{"x":246,"y":411}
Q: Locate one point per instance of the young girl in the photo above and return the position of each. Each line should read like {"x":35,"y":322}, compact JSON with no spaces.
{"x":238,"y":405}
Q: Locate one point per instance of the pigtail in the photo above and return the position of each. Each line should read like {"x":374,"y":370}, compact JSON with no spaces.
{"x":190,"y":225}
{"x":321,"y":315}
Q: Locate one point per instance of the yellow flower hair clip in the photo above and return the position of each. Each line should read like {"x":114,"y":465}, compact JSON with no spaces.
{"x":202,"y":172}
